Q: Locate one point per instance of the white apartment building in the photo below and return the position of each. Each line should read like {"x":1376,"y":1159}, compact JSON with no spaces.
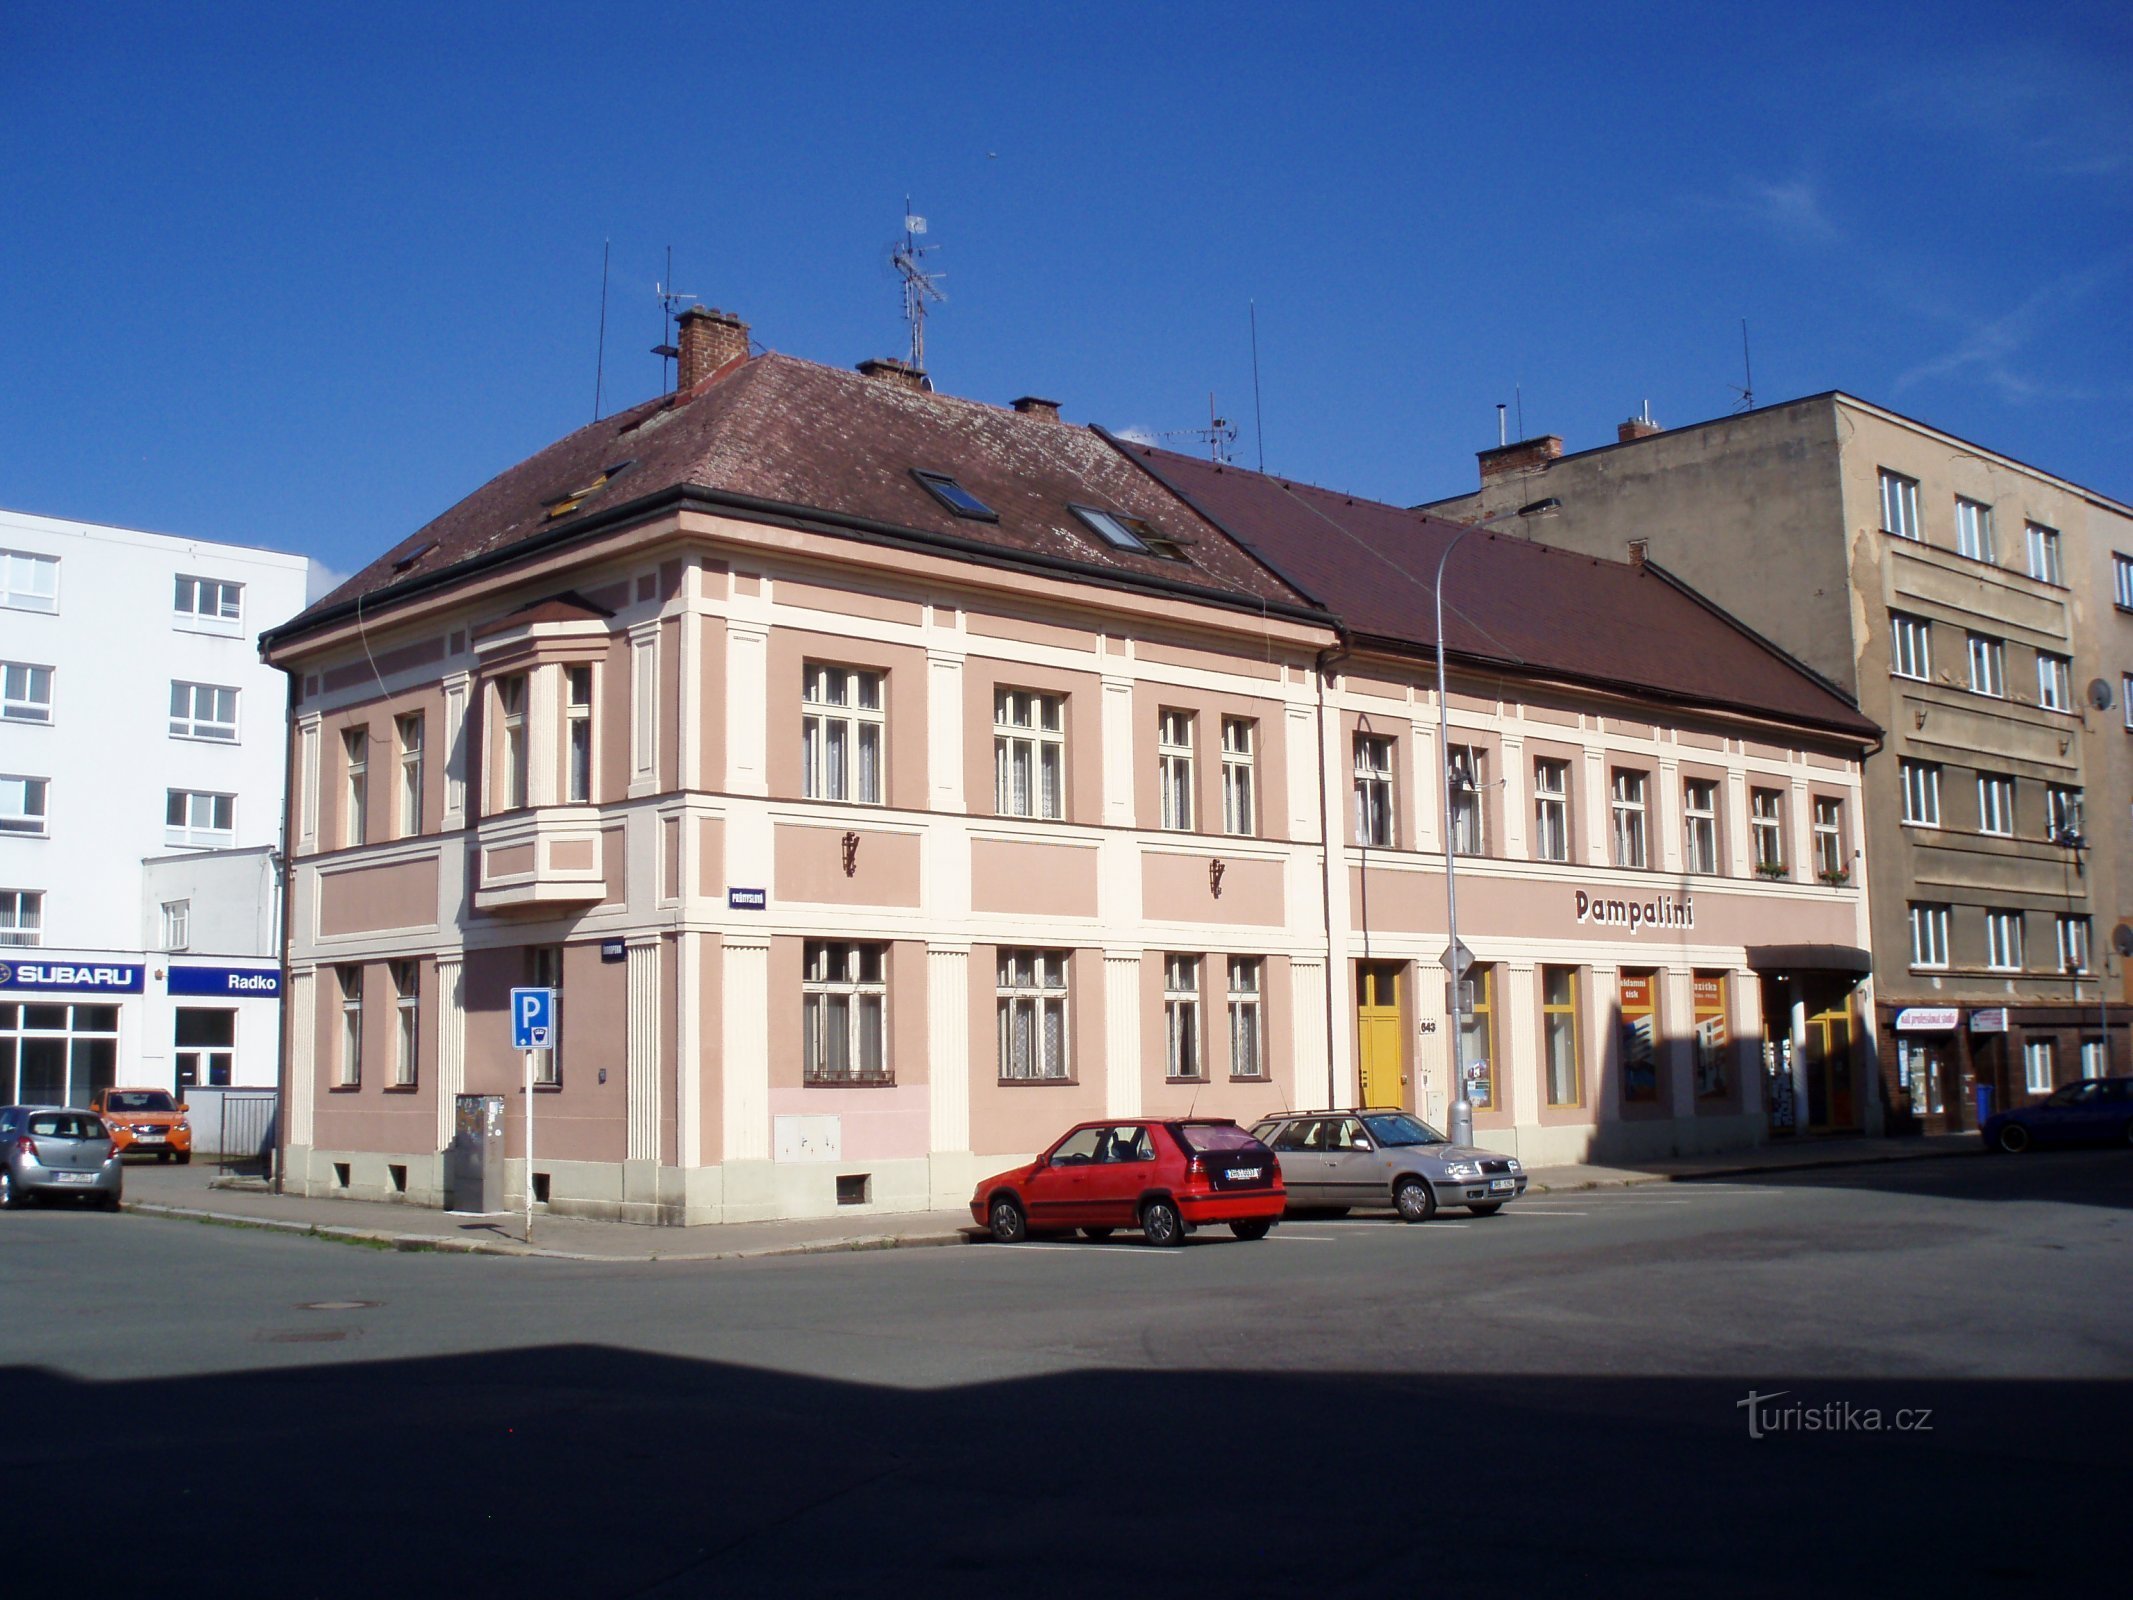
{"x":136,"y":721}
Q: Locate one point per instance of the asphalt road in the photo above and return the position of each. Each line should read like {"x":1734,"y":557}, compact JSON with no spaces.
{"x":1549,"y":1401}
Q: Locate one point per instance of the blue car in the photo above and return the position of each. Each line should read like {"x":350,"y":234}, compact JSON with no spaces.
{"x":2093,"y":1111}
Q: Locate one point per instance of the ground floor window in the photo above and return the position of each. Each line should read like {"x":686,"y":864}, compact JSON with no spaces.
{"x":1477,"y":1040}
{"x":2037,"y":1066}
{"x":1247,"y":1038}
{"x":1032,"y":1007}
{"x":204,"y":1045}
{"x":1713,"y":1039}
{"x":55,"y":1054}
{"x":1181,"y":1016}
{"x":1640,"y":1055}
{"x":2095,"y":1059}
{"x":1920,"y":1076}
{"x":844,"y":1013}
{"x":1559,"y":1027}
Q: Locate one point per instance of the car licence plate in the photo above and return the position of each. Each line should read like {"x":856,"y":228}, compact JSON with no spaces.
{"x":1502,"y":1185}
{"x":1242,"y":1174}
{"x":150,"y":1138}
{"x":74,"y":1177}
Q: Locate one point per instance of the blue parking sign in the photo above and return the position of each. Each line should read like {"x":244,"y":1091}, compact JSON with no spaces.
{"x":532,"y":1019}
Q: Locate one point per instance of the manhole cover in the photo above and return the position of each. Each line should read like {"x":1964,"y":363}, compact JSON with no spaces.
{"x":336,"y":1305}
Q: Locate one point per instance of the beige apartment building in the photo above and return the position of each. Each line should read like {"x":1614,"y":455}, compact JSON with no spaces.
{"x":887,"y":781}
{"x":1981,"y":611}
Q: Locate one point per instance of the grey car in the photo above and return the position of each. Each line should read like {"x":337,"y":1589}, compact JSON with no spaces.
{"x":1334,"y":1160}
{"x":55,"y":1150}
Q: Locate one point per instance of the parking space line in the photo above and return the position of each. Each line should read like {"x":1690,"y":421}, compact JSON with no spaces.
{"x":1527,"y":1211}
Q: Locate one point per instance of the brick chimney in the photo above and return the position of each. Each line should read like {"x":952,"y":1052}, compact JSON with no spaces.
{"x":890,"y":370}
{"x":1522,"y":456}
{"x":708,"y":340}
{"x":1636,"y":428}
{"x":1030,"y":406}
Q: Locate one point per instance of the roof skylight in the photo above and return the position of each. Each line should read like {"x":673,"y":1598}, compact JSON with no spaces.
{"x":954,"y":496}
{"x":1111,"y":529}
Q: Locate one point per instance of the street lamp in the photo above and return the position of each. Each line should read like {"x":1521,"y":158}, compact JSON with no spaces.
{"x":1456,"y":958}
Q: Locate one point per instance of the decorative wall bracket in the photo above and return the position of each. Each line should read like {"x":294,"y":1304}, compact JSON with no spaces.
{"x":1215,"y":869}
{"x":851,"y":854}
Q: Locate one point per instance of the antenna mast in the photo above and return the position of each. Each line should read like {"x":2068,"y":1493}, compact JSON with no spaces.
{"x":908,"y":258}
{"x":1219,"y":434}
{"x":671,"y":302}
{"x":1746,"y":387}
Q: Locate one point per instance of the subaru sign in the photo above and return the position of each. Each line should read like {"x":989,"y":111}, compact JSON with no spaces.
{"x":263,"y":982}
{"x":69,"y":976}
{"x":532,"y":1019}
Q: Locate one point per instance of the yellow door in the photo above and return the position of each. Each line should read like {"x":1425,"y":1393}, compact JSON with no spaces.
{"x":1378,"y":1032}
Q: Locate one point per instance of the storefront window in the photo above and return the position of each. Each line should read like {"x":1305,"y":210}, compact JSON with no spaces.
{"x":1559,"y":1027}
{"x":1477,"y":1040}
{"x":57,"y":1055}
{"x":1640,"y":1057}
{"x":1712,"y":1039}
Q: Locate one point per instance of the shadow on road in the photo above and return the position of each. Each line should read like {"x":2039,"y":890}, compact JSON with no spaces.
{"x":2085,"y":1177}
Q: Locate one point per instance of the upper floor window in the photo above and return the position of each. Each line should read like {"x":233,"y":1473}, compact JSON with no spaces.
{"x":1995,"y":803}
{"x":1551,"y":810}
{"x":2043,"y":546}
{"x":844,"y":1001}
{"x":1910,"y":646}
{"x":2055,"y":682}
{"x":177,"y":924}
{"x":1832,"y":864}
{"x":21,"y":916}
{"x":1988,"y":665}
{"x":1766,"y":828}
{"x":25,"y":692}
{"x":22,"y":803}
{"x":842,"y":726}
{"x":1929,"y":934}
{"x":578,"y":734}
{"x":1028,"y":754}
{"x":544,"y":970}
{"x":1031,"y":1006}
{"x":27,"y":582}
{"x":1466,"y":778}
{"x":1373,"y":790}
{"x":1899,"y":504}
{"x":1699,"y":825}
{"x":2073,"y":944}
{"x":1240,"y":813}
{"x":2062,"y":814}
{"x":408,"y":730}
{"x":1628,"y":801}
{"x":214,"y":603}
{"x":1173,"y":760}
{"x":191,"y":817}
{"x":1973,"y":529}
{"x":2003,"y":941}
{"x":355,"y":803}
{"x":511,"y":717}
{"x":1921,"y":792}
{"x":2122,"y":580}
{"x":202,"y":711}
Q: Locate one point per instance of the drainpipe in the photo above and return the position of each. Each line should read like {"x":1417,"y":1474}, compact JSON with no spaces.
{"x":1325,"y":658}
{"x":283,"y":921}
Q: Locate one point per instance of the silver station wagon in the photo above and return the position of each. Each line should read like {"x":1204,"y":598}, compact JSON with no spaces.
{"x":1336,"y":1160}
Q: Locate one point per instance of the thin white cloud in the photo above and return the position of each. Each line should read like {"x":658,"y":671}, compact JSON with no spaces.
{"x":1791,"y":208}
{"x":1137,"y":435}
{"x":322,"y":581}
{"x":2050,"y":110}
{"x":1989,"y":351}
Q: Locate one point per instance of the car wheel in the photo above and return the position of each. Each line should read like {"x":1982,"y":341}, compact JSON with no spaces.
{"x":1488,"y":1210}
{"x":1097,"y":1233}
{"x":1161,"y":1225}
{"x":1255,"y":1228}
{"x":1416,"y":1200}
{"x":107,"y":1202}
{"x":185,"y":1158}
{"x":163,"y":1157}
{"x":1009,"y":1226}
{"x":2014,"y":1138}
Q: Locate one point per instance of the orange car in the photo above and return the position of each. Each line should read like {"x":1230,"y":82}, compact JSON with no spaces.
{"x":142,"y":1120}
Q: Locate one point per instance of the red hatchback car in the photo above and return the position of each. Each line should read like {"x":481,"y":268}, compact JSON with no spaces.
{"x":1163,"y":1177}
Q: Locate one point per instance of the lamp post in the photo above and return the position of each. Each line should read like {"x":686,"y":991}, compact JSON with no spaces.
{"x":1455,"y":957}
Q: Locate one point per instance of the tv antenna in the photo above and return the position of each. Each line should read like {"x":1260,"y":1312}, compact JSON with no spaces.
{"x":909,"y":260}
{"x":671,"y":304}
{"x":1746,"y":387}
{"x":1219,"y":434}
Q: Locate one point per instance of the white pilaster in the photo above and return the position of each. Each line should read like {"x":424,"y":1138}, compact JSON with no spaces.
{"x":642,"y":1047}
{"x":748,"y":708}
{"x":644,"y":709}
{"x":744,"y":1012}
{"x":1664,"y":814}
{"x":1122,"y":1033}
{"x":688,"y":1050}
{"x":1514,"y":799}
{"x":944,"y":732}
{"x":1599,"y":811}
{"x":1302,"y":744}
{"x":303,"y":1062}
{"x":1739,"y":861}
{"x":451,"y":1043}
{"x":1118,"y":753}
{"x":948,"y":1046}
{"x":1425,"y":779}
{"x":307,"y":779}
{"x":1307,"y":1034}
{"x":457,"y":687}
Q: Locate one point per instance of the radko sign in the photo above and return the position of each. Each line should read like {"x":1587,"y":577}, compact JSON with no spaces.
{"x":1659,"y":911}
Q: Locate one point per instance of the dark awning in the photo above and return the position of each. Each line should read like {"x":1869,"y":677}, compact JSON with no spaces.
{"x":1810,"y":958}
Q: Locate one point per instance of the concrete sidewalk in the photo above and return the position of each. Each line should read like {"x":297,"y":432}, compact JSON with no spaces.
{"x":194,"y":1193}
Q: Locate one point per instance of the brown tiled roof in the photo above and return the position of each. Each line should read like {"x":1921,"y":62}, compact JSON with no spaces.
{"x":818,"y":441}
{"x":1507,"y":600}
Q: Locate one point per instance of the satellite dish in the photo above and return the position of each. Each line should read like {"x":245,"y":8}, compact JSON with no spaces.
{"x":2122,"y":939}
{"x":2100,"y":693}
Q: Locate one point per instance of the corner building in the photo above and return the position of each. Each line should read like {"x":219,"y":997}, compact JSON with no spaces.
{"x":886,"y":781}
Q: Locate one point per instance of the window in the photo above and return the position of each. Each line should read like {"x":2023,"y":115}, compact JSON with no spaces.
{"x":2043,"y":545}
{"x":1629,"y":818}
{"x":1766,"y":827}
{"x":511,"y":717}
{"x":1637,"y":994}
{"x":1114,"y":531}
{"x":1373,"y":790}
{"x":407,"y":1018}
{"x":22,"y":804}
{"x":2003,"y":941}
{"x":348,"y":1064}
{"x":1559,"y":1024}
{"x":211,"y":601}
{"x":1910,"y":646}
{"x":1973,"y":529}
{"x":1929,"y":935}
{"x":2073,"y":944}
{"x":1832,"y":862}
{"x":21,"y":916}
{"x":202,"y":711}
{"x":1699,"y":825}
{"x":2037,"y":1065}
{"x":1477,"y":1039}
{"x":1247,"y":1038}
{"x":954,"y":496}
{"x":578,"y":734}
{"x":1988,"y":664}
{"x":1240,"y":813}
{"x":1181,"y":1016}
{"x":2062,"y":814}
{"x":1921,"y":792}
{"x":2122,"y":580}
{"x":355,"y":761}
{"x":25,"y":692}
{"x":193,"y":817}
{"x":1465,"y":774}
{"x":1995,"y":803}
{"x":544,"y":970}
{"x":204,"y":1044}
{"x":1032,"y":1007}
{"x":408,"y":731}
{"x":1551,"y":810}
{"x":2095,"y":1058}
{"x":844,"y":998}
{"x":2055,"y":682}
{"x":1028,"y":754}
{"x":177,"y":924}
{"x":27,"y":582}
{"x":1712,"y":1039}
{"x":1899,"y":504}
{"x":2125,"y":696}
{"x":842,"y":725}
{"x":1173,"y":757}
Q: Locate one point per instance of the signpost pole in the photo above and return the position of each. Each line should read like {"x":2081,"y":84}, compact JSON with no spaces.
{"x":526,"y":1057}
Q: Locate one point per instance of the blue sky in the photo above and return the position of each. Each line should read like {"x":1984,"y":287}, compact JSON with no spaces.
{"x":304,"y":277}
